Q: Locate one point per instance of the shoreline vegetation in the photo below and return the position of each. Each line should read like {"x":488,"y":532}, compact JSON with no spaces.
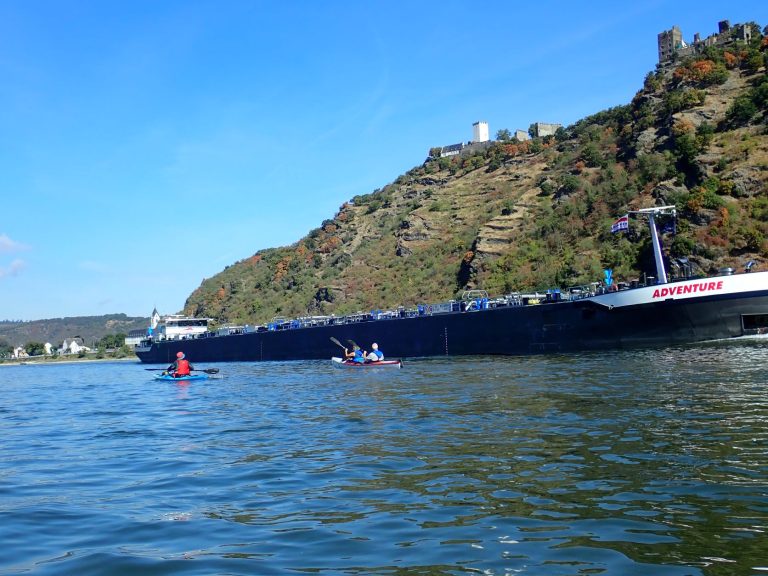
{"x":74,"y":359}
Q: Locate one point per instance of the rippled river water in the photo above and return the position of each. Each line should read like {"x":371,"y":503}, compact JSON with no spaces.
{"x":652,"y":462}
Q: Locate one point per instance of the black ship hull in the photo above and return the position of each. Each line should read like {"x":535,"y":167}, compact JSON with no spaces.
{"x":686,"y":312}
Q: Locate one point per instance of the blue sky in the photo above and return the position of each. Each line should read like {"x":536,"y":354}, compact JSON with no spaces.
{"x":146,"y":145}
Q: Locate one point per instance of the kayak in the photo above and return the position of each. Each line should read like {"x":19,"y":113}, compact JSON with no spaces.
{"x":341,"y":363}
{"x":169,"y":378}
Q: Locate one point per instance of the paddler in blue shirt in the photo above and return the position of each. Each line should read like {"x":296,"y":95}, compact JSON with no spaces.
{"x":357,"y":355}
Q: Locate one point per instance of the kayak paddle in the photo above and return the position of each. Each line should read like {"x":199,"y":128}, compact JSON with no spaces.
{"x":206,"y":370}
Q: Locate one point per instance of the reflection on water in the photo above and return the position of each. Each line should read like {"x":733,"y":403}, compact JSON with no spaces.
{"x":619,"y":463}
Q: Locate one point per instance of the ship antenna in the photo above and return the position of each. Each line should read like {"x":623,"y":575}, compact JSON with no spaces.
{"x":652,"y":213}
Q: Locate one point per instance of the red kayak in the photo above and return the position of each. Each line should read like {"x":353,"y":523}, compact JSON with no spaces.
{"x":341,"y":363}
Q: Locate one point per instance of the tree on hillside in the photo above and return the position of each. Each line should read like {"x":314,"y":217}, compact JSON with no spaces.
{"x":35,"y":348}
{"x":741,"y":111}
{"x":111,"y":341}
{"x":504,"y":135}
{"x":5,"y":349}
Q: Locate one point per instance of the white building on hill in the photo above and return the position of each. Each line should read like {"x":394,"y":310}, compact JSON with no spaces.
{"x":73,"y":346}
{"x":480,"y":132}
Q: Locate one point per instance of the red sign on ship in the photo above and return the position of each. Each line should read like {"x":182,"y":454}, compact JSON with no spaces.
{"x":696,"y":288}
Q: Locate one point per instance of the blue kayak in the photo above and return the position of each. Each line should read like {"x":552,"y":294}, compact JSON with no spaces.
{"x":169,"y":378}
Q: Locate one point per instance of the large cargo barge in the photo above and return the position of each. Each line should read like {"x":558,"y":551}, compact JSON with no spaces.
{"x":600,"y":316}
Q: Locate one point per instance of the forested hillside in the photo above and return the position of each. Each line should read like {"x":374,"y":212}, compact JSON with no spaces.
{"x":55,"y":330}
{"x":536,"y":214}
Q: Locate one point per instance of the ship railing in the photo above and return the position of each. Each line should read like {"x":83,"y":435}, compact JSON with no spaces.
{"x":388,"y":315}
{"x":231,"y":330}
{"x":513,"y":299}
{"x":527,"y":298}
{"x":278,"y":323}
{"x":584,"y":291}
{"x":439,"y":308}
{"x":356,"y":318}
{"x":307,"y":321}
{"x":478,"y":303}
{"x":474,"y":295}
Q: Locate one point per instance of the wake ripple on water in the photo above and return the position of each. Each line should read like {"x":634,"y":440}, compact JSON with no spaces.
{"x":620,"y":463}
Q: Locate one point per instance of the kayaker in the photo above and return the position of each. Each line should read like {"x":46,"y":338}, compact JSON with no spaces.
{"x":356,"y":355}
{"x":181,"y":367}
{"x":375,"y":355}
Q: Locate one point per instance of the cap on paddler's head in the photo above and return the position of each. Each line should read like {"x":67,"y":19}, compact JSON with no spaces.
{"x":375,"y":346}
{"x":179,"y":354}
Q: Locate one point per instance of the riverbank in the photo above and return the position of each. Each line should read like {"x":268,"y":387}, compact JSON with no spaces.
{"x":38,"y":361}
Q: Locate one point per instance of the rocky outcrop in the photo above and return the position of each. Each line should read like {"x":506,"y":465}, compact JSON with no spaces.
{"x":663,"y":191}
{"x":324,"y":296}
{"x":648,"y":140}
{"x":747,"y":181}
{"x":496,"y":236}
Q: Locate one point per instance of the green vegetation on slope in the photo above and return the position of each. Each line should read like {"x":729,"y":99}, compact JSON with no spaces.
{"x":536,"y":214}
{"x":91,"y":329}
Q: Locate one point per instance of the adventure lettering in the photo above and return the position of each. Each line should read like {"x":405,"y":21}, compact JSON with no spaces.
{"x":687,"y":289}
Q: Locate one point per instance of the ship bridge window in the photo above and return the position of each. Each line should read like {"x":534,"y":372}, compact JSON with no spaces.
{"x":187,"y":323}
{"x":755,"y":323}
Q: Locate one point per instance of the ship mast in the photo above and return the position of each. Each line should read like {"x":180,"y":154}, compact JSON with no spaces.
{"x":652,"y":213}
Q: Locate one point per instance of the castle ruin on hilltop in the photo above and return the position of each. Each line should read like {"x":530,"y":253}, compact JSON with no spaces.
{"x":481,"y":139}
{"x":672,"y":45}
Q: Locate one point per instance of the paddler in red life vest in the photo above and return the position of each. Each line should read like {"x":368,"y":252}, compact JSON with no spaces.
{"x":180,"y":368}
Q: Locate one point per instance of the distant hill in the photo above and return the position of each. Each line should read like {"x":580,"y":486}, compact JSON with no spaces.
{"x":536,"y":214}
{"x":55,"y":330}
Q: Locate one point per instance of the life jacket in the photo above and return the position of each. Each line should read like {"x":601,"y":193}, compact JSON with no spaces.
{"x":359,"y":358}
{"x":182,"y":368}
{"x":379,"y":353}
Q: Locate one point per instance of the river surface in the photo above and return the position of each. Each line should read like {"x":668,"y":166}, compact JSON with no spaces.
{"x":627,"y":463}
